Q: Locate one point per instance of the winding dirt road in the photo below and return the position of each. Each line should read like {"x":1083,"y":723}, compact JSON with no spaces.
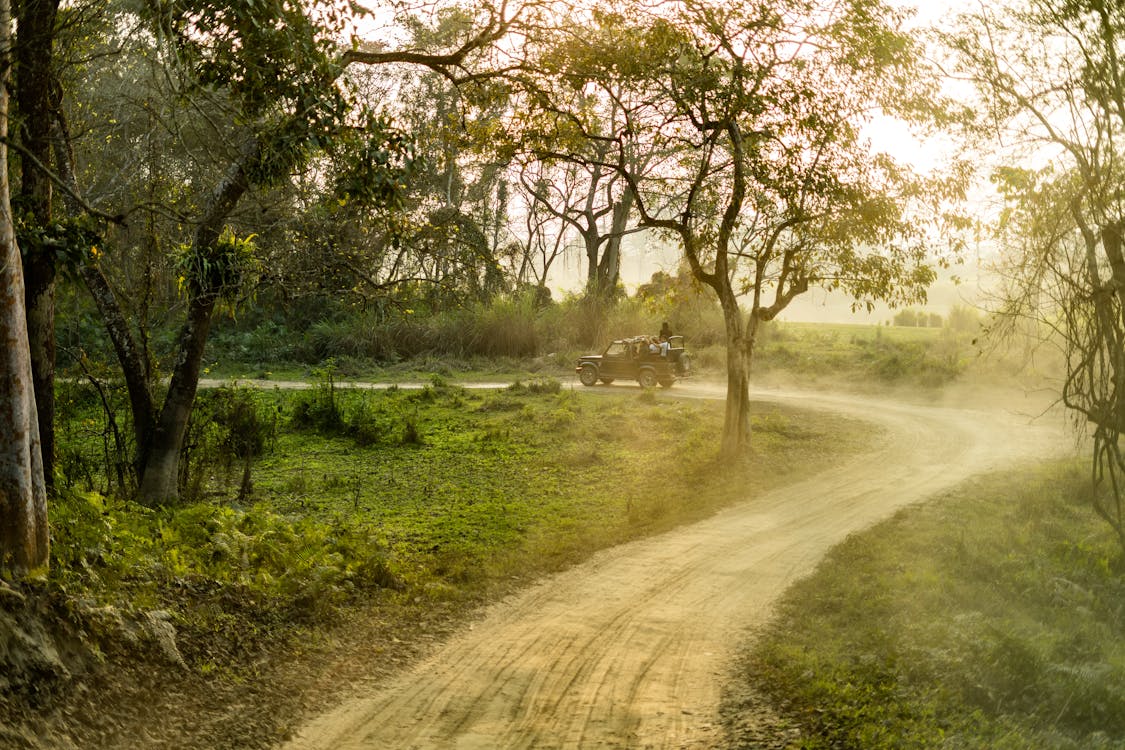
{"x":629,"y":649}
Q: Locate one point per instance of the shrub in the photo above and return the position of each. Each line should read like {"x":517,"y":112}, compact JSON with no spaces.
{"x":303,"y":566}
{"x":227,"y":423}
{"x":411,"y":434}
{"x":366,"y":424}
{"x":318,"y":408}
{"x":538,"y":386}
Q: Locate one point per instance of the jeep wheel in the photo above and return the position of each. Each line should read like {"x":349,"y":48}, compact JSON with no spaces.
{"x":588,"y":375}
{"x":647,"y":378}
{"x":666,"y":383}
{"x":607,"y":381}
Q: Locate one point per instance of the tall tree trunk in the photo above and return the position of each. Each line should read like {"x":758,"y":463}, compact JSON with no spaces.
{"x":736,"y":424}
{"x":593,"y":242}
{"x":133,"y":363}
{"x":39,"y":278}
{"x":35,"y":100}
{"x":609,"y":267}
{"x":161,"y":469}
{"x":23,"y":494}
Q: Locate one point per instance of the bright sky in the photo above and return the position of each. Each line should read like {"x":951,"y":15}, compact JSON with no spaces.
{"x":894,"y":136}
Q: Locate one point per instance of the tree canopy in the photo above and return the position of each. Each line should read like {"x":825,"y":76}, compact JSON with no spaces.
{"x":194,"y":153}
{"x":751,"y":117}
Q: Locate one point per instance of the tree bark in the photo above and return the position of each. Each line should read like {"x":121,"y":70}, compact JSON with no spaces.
{"x":39,"y":296}
{"x":134,"y":367}
{"x":35,"y":97}
{"x":23,"y":494}
{"x":161,"y":469}
{"x":604,"y":266}
{"x":609,"y":267}
{"x":736,"y":423}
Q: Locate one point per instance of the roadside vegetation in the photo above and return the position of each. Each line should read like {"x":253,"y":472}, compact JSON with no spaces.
{"x":987,"y":618}
{"x":304,"y":508}
{"x":274,"y":190}
{"x":513,"y":338}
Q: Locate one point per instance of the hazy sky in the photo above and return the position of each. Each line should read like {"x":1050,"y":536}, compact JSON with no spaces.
{"x":924,"y":154}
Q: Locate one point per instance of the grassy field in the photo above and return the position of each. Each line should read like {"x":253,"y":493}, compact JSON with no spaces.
{"x":857,"y":332}
{"x":988,"y":618}
{"x":884,"y":355}
{"x":438,"y":494}
{"x":462,"y":486}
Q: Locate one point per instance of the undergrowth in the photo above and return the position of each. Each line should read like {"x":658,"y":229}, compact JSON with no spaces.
{"x":990,"y":618}
{"x":227,"y":580}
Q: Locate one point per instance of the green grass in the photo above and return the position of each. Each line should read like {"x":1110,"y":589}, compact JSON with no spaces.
{"x":926,"y":357}
{"x":419,"y":370}
{"x":858,"y":331}
{"x":514,"y":480}
{"x":436,"y":495}
{"x":989,"y":618}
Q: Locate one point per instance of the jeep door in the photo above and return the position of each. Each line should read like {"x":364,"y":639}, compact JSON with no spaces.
{"x":617,"y":361}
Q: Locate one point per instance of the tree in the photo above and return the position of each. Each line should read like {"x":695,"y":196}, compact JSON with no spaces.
{"x":36,"y":94}
{"x":593,"y":201}
{"x":907,"y":318}
{"x":545,"y":234}
{"x":964,"y":319}
{"x":459,"y":197}
{"x":274,"y":70}
{"x":23,"y":495}
{"x":585,"y":189}
{"x":761,"y":174}
{"x":1052,"y":105}
{"x":42,"y":238}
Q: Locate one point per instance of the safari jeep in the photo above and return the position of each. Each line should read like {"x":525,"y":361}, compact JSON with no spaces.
{"x":630,"y":359}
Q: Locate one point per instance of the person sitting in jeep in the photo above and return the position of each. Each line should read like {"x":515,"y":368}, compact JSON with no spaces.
{"x":647,"y":359}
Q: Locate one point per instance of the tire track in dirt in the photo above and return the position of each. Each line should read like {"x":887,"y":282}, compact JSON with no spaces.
{"x":630,"y":648}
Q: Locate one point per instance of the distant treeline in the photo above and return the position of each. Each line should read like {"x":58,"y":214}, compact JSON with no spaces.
{"x":959,"y":319}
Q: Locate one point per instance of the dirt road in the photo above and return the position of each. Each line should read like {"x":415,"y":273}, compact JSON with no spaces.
{"x":630,"y":648}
